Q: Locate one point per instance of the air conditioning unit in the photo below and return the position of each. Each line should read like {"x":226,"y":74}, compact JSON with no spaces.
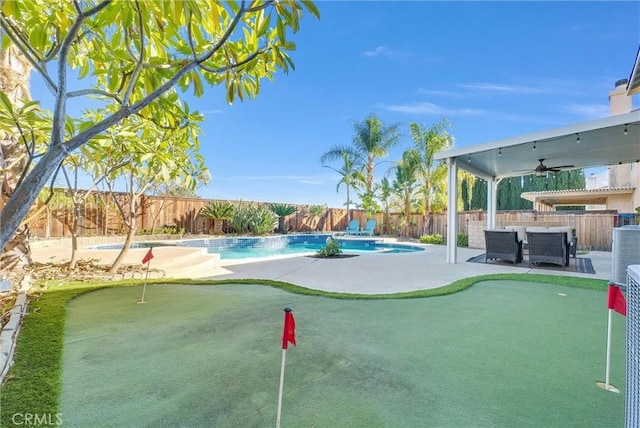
{"x":625,"y":251}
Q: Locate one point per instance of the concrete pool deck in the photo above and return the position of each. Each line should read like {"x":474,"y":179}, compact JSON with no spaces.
{"x":367,"y":273}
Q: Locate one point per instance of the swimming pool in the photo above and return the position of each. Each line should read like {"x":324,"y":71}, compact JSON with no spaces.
{"x":253,"y":247}
{"x":268,"y":246}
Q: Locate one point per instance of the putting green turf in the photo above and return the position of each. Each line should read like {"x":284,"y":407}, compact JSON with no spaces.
{"x":502,"y":353}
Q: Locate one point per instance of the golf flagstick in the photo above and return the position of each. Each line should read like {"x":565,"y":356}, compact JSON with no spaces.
{"x":608,"y":361}
{"x":615,"y":302}
{"x":147,"y":259}
{"x":288,"y":336}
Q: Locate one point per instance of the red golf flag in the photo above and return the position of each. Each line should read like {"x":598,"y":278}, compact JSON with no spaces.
{"x":289,"y":332}
{"x":616,"y":300}
{"x":148,"y":256}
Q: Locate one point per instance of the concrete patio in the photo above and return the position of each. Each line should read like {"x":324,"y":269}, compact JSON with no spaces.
{"x":367,"y":273}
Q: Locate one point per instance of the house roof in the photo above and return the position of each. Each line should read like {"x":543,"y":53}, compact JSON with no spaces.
{"x":599,"y":142}
{"x":577,"y":197}
{"x":633,"y":85}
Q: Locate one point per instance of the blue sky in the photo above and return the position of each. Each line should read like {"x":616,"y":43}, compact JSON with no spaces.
{"x":493,"y":69}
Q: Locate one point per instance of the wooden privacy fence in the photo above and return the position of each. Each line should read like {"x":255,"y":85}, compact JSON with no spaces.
{"x":98,"y":216}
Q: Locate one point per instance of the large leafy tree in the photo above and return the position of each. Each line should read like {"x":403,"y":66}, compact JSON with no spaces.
{"x":140,"y":154}
{"x":428,"y":142}
{"x":133,"y":56}
{"x":371,"y":142}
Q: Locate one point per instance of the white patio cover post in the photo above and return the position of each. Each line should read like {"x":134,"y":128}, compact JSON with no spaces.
{"x":492,"y":202}
{"x":452,"y":211}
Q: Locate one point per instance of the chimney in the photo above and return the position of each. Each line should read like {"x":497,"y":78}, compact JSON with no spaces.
{"x":619,"y":102}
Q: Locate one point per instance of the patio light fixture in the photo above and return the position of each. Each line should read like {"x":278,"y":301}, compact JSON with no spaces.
{"x":625,"y":129}
{"x":500,"y":151}
{"x":577,"y":138}
{"x":534,"y":146}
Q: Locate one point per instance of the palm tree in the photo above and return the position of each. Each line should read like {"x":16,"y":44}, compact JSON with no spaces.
{"x":385,"y":190}
{"x":433,"y":174}
{"x":405,"y":183}
{"x":372,"y":141}
{"x":217,"y":211}
{"x":282,"y":211}
{"x":351,"y":175}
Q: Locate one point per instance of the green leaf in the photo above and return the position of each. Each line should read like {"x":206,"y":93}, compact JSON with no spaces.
{"x":198,"y":88}
{"x":311,"y":7}
{"x":282,"y":30}
{"x":289,"y":46}
{"x":6,"y":102}
{"x":262,"y":23}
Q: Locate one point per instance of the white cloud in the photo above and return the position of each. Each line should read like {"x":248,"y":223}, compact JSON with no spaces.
{"x":380,"y":50}
{"x":432,"y":109}
{"x":446,"y":94}
{"x":383,"y":51}
{"x":501,"y":87}
{"x":589,"y":111}
{"x":211,"y":112}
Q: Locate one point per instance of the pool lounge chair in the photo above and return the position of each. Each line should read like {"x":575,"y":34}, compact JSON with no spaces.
{"x":353,"y":228}
{"x":368,"y":229}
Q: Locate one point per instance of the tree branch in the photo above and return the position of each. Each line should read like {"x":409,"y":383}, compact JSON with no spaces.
{"x":265,"y":5}
{"x":136,"y":71}
{"x":84,"y":92}
{"x":57,"y":131}
{"x":225,"y":36}
{"x":236,"y":65}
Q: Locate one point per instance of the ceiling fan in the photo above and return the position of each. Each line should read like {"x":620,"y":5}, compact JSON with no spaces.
{"x":542,"y":169}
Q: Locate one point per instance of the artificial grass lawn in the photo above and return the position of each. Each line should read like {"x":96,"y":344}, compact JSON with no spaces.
{"x":502,"y":353}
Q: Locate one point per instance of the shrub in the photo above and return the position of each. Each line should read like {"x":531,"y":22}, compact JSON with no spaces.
{"x":432,"y":239}
{"x":332,"y":249}
{"x":316,"y":210}
{"x":463,"y":240}
{"x":282,"y":211}
{"x":217,"y":211}
{"x":254,"y":219}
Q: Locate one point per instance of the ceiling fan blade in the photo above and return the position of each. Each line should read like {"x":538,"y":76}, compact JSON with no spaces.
{"x":560,"y":167}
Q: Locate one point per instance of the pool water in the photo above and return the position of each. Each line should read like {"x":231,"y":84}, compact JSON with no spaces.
{"x":241,"y":248}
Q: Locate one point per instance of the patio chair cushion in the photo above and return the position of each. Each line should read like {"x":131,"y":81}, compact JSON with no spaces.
{"x":521,"y":230}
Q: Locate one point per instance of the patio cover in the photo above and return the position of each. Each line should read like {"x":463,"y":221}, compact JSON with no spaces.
{"x":600,"y":142}
{"x":550,"y":199}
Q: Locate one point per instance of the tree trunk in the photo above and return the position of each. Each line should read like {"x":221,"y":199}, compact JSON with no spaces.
{"x":131,"y":224}
{"x":14,"y":83}
{"x":74,"y":235}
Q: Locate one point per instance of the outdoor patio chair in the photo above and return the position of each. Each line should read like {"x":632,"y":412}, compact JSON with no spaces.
{"x":353,"y":228}
{"x":503,"y":244}
{"x":368,"y":229}
{"x":548,"y":247}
